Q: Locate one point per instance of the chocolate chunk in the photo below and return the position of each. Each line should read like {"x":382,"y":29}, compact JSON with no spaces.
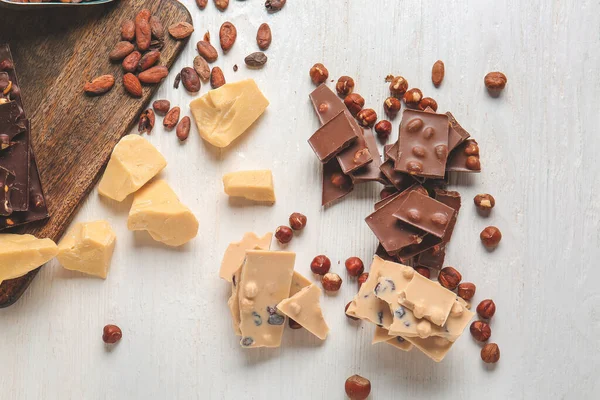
{"x":336,"y":184}
{"x":15,"y":92}
{"x":465,"y":158}
{"x":423,"y":144}
{"x":16,"y":160}
{"x":371,"y":171}
{"x":400,"y":180}
{"x":425,"y":213}
{"x":332,"y":137}
{"x":6,"y":181}
{"x":457,"y":133}
{"x":11,"y":123}
{"x":393,"y":234}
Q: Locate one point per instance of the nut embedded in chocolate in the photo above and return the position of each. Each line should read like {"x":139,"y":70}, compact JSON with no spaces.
{"x":480,"y":331}
{"x":340,"y":180}
{"x":490,"y":353}
{"x":490,"y":237}
{"x":449,"y":278}
{"x":293,"y":324}
{"x":486,"y":309}
{"x":344,"y":86}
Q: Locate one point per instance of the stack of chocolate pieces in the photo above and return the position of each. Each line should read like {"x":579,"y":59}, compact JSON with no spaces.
{"x":348,"y":152}
{"x":21,"y":195}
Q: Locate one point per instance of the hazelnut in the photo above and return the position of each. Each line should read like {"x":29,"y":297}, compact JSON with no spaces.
{"x":323,"y":107}
{"x":339,"y":179}
{"x":466,"y":290}
{"x":357,"y":387}
{"x":398,"y":86}
{"x":449,"y":278}
{"x":472,"y":148}
{"x":383,"y":129}
{"x":423,"y":271}
{"x":283,"y":234}
{"x":320,"y":265}
{"x":344,"y":86}
{"x":331,"y":282}
{"x":391,"y":106}
{"x":293,"y":324}
{"x":413,"y":97}
{"x":480,"y":331}
{"x":354,"y":266}
{"x":367,"y":117}
{"x":362,"y":279}
{"x":490,"y":353}
{"x":387,"y":192}
{"x":490,"y":237}
{"x":349,"y":316}
{"x":297,"y":221}
{"x":473,"y":163}
{"x":495,"y":81}
{"x":484,"y":202}
{"x":354,"y":103}
{"x":318,"y":73}
{"x":428,"y":102}
{"x":486,"y":309}
{"x":111,"y":334}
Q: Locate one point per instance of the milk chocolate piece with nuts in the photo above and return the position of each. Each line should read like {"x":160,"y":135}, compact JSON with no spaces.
{"x":425,"y":213}
{"x":371,"y":171}
{"x":331,"y":138}
{"x":457,"y":133}
{"x":423,"y":144}
{"x":336,"y":184}
{"x":465,"y":158}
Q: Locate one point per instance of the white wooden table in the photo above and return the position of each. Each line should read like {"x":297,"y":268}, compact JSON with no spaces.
{"x":539,"y":143}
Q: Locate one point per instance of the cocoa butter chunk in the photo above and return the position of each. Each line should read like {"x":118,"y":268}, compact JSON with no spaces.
{"x":157,"y":209}
{"x":223,"y":114}
{"x":88,"y":247}
{"x":252,"y":185}
{"x":20,"y":254}
{"x":304,"y":307}
{"x":134,"y":162}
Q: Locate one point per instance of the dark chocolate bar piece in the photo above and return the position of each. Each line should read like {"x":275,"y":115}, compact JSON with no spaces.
{"x":16,"y":160}
{"x":11,"y":123}
{"x":423,"y":144}
{"x":392,"y":233}
{"x":332,"y":137}
{"x":7,"y":65}
{"x":38,"y":209}
{"x":371,"y":171}
{"x":6,"y":181}
{"x":425,"y":213}
{"x":336,"y":184}
{"x":465,"y":158}
{"x":457,"y":133}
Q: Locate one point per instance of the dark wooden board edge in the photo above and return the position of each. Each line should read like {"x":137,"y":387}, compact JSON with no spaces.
{"x":11,"y":290}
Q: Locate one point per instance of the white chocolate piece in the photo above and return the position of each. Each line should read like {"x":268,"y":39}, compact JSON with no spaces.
{"x":299,"y":282}
{"x":265,"y":281}
{"x":223,"y":114}
{"x":427,"y":299}
{"x":157,"y":209}
{"x":252,"y":185}
{"x":20,"y":254}
{"x":382,"y":335}
{"x":304,"y":307}
{"x":134,"y":161}
{"x":236,"y":252}
{"x":88,"y":247}
{"x":434,"y":347}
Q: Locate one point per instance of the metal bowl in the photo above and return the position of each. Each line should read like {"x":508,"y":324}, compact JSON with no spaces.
{"x":53,"y":4}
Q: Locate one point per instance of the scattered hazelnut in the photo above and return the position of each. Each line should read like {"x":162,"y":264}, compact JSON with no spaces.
{"x":318,"y":73}
{"x":362,"y":279}
{"x":344,"y":86}
{"x":387,"y":192}
{"x":398,"y":86}
{"x":357,"y":387}
{"x":428,"y":102}
{"x":413,"y":97}
{"x":495,"y":81}
{"x":349,"y":316}
{"x":466,"y":290}
{"x":423,"y":271}
{"x":354,"y":266}
{"x":490,"y":237}
{"x":383,"y":129}
{"x":111,"y":334}
{"x":480,"y":331}
{"x":338,"y":179}
{"x":331,"y":282}
{"x":490,"y":353}
{"x":354,"y":103}
{"x":449,"y":278}
{"x":284,"y":234}
{"x":293,"y":324}
{"x":320,"y":265}
{"x":391,"y":106}
{"x":484,"y":202}
{"x":486,"y":309}
{"x":367,"y":117}
{"x":297,"y":221}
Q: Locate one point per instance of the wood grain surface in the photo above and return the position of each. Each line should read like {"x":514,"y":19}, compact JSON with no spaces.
{"x":73,"y":134}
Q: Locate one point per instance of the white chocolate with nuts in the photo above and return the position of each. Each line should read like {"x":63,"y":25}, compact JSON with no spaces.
{"x":427,"y":299}
{"x":134,"y":161}
{"x":304,"y":307}
{"x":252,"y":185}
{"x":265,"y":281}
{"x":223,"y":114}
{"x":434,"y":347}
{"x":88,"y":247}
{"x":299,"y":282}
{"x":382,"y":335}
{"x":236,"y":252}
{"x":157,"y":209}
{"x":20,"y":254}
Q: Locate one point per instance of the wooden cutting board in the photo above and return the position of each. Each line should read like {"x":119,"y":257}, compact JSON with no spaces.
{"x":55,"y":52}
